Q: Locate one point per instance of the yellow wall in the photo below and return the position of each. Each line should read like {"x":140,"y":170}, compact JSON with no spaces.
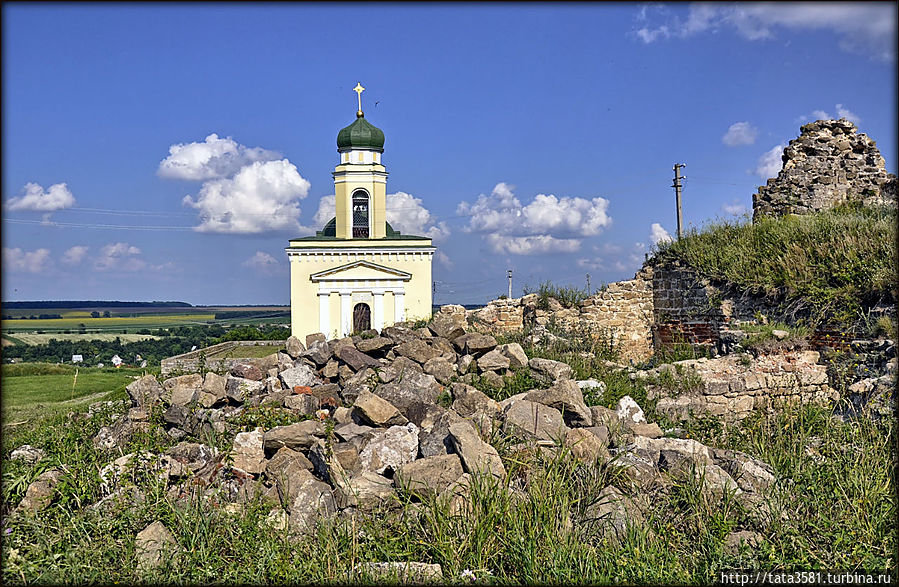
{"x":304,"y":301}
{"x":371,"y":178}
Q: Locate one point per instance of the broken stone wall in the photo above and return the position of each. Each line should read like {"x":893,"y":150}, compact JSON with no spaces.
{"x":830,"y":163}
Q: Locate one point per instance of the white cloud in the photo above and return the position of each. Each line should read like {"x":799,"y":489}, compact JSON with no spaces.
{"x":532,"y":245}
{"x":771,"y":162}
{"x":444,"y":260}
{"x":211,"y":159}
{"x":842,"y":112}
{"x":740,"y":133}
{"x":74,"y":255}
{"x":592,"y":264}
{"x":262,"y":262}
{"x":658,"y":234}
{"x":735,"y":208}
{"x":547,"y":224}
{"x":261,"y":196}
{"x":57,"y":197}
{"x":405,"y":213}
{"x":25,"y":261}
{"x":119,"y":257}
{"x":862,"y":27}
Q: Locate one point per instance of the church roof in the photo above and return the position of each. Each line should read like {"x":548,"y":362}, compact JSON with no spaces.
{"x":361,"y":135}
{"x":329,"y":232}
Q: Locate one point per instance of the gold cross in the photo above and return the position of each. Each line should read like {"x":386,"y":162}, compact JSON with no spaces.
{"x":358,"y":89}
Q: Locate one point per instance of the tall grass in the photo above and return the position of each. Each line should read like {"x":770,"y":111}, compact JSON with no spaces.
{"x":837,"y":262}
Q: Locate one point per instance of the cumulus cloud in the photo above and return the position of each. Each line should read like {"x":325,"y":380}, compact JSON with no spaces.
{"x":25,"y":261}
{"x":211,"y":159}
{"x":119,"y":257}
{"x":444,"y":260}
{"x":74,"y":255}
{"x":262,"y":262}
{"x":57,"y":197}
{"x":771,"y":162}
{"x":547,"y":224}
{"x":841,"y":112}
{"x":868,"y":28}
{"x":658,"y":234}
{"x":592,"y":264}
{"x":740,"y":133}
{"x":405,"y":213}
{"x":735,"y":208}
{"x":261,"y":196}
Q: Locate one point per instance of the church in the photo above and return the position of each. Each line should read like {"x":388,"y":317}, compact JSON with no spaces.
{"x":358,"y":272}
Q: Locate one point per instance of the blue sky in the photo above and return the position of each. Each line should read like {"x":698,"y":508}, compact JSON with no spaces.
{"x":169,"y":151}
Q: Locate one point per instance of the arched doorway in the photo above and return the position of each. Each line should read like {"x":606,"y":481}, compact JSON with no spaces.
{"x":361,"y":317}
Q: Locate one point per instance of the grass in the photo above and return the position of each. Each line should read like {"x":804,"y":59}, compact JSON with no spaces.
{"x":32,"y":390}
{"x":113,"y":323}
{"x":834,"y":509}
{"x":835,"y":263}
{"x":569,"y":297}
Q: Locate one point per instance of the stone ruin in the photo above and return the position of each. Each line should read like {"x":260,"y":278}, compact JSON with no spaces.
{"x":829,"y":164}
{"x":373,"y":419}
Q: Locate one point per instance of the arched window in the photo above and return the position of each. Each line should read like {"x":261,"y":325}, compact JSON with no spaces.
{"x":360,"y":214}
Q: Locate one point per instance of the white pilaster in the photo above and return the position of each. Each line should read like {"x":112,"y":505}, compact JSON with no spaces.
{"x":346,"y":313}
{"x":324,"y":313}
{"x":399,"y":306}
{"x":378,"y":310}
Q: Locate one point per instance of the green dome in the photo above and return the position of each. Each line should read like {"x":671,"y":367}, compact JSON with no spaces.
{"x":361,"y":135}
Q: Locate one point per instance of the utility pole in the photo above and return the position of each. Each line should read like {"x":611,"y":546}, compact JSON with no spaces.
{"x":509,"y":275}
{"x":677,"y":187}
{"x":588,"y":284}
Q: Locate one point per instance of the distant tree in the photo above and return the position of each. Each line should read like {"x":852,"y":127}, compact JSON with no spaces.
{"x":95,"y":314}
{"x":106,"y":314}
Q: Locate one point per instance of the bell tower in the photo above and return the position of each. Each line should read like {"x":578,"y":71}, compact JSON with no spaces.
{"x":360,"y":181}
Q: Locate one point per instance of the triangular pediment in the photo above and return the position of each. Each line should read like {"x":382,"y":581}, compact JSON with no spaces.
{"x":361,"y":270}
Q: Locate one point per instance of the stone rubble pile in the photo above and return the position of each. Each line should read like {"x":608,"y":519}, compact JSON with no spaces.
{"x":368,"y":420}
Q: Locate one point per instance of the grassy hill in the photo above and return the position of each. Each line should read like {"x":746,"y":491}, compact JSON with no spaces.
{"x":841,"y":262}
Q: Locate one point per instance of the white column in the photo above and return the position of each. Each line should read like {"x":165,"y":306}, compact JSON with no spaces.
{"x":346,"y":314}
{"x":324,"y":313}
{"x":399,"y":306}
{"x":378,"y":311}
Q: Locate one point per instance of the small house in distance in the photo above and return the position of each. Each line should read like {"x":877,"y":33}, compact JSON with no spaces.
{"x":358,"y":272}
{"x":77,"y":359}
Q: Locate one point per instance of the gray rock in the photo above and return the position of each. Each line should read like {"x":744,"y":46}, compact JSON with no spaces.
{"x":474,"y":343}
{"x":247,"y":453}
{"x":301,"y":435}
{"x":312,"y":501}
{"x":681,"y":454}
{"x":366,"y":491}
{"x":335,"y":461}
{"x":351,"y":431}
{"x":605,"y":417}
{"x":636,"y":471}
{"x":302,"y":403}
{"x":302,"y":375}
{"x":628,"y":410}
{"x":183,"y":395}
{"x":319,"y":352}
{"x":467,"y":364}
{"x":750,"y":474}
{"x":295,"y":347}
{"x":331,"y":369}
{"x":434,"y":440}
{"x":399,"y":334}
{"x":417,"y":350}
{"x":430,"y":476}
{"x":442,"y":369}
{"x":449,"y":325}
{"x":214,"y":384}
{"x":648,"y":430}
{"x":734,"y":541}
{"x":144,"y":392}
{"x":566,"y":396}
{"x":247,"y":371}
{"x":406,"y":573}
{"x":409,"y":391}
{"x":585,"y":445}
{"x":377,"y":411}
{"x":470,"y":401}
{"x":240,"y":389}
{"x":493,"y":361}
{"x":378,"y":344}
{"x":532,"y":421}
{"x":154,"y":546}
{"x":355,"y":359}
{"x":190,"y":457}
{"x":40,"y":492}
{"x":549,"y":371}
{"x":285,"y":464}
{"x":477,"y":456}
{"x":516,"y":355}
{"x":190,"y":380}
{"x":27,"y":453}
{"x":612,"y":513}
{"x":390,"y":449}
{"x":315,"y":338}
{"x":717,"y":483}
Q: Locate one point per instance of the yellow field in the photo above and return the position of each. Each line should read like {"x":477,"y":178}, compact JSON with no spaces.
{"x":31,"y":339}
{"x":72,"y":323}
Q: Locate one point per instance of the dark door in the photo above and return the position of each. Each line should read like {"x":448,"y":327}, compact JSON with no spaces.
{"x":361,"y":317}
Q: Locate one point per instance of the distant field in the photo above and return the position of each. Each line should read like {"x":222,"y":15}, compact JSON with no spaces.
{"x":107,"y":324}
{"x":32,"y":339}
{"x":32,"y":390}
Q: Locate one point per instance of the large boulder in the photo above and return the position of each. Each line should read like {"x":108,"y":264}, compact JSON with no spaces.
{"x":355,"y":359}
{"x":474,"y":343}
{"x":388,"y":450}
{"x":549,"y":371}
{"x":40,"y":493}
{"x":301,"y":435}
{"x":493,"y":361}
{"x":145,"y":392}
{"x":417,"y":350}
{"x":377,"y":411}
{"x":430,"y":476}
{"x":366,"y":491}
{"x":295,"y":347}
{"x":301,"y":375}
{"x":612,"y":513}
{"x":154,"y":546}
{"x":377,"y":344}
{"x":247,"y":452}
{"x":532,"y":421}
{"x":449,"y":322}
{"x":565,"y":395}
{"x":477,"y":456}
{"x":515,"y":354}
